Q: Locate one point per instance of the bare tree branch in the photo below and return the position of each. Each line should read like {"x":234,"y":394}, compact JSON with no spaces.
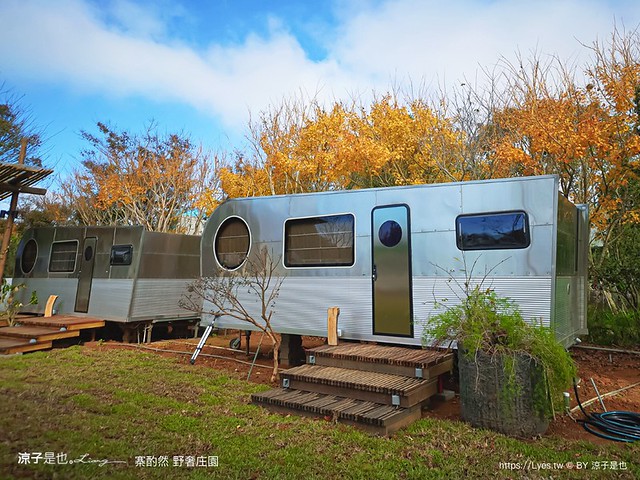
{"x":235,"y":294}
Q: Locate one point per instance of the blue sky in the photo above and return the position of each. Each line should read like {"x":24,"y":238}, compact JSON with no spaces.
{"x":203,"y":66}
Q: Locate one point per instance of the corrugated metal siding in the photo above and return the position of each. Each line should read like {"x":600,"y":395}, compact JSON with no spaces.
{"x":302,"y":306}
{"x":531,"y":294}
{"x":303,"y":302}
{"x":110,"y":299}
{"x":159,"y":299}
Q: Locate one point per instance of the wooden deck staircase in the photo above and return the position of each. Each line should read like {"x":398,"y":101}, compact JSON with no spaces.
{"x":378,"y":388}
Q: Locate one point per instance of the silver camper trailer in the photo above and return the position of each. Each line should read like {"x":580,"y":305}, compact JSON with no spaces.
{"x":385,"y":255}
{"x":120,"y":274}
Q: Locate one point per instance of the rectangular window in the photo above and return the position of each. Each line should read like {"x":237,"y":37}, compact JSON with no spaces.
{"x":121,"y":254}
{"x":63,"y":256}
{"x":493,"y":231}
{"x":319,"y":242}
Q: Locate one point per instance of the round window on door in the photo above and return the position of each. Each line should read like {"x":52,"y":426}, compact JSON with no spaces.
{"x":390,"y":233}
{"x":231,"y":245}
{"x":88,"y":253}
{"x":29,"y":255}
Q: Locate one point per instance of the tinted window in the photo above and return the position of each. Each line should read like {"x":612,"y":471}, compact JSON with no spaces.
{"x":63,"y":256}
{"x":319,"y":242}
{"x":492,"y":231}
{"x":232,"y":243}
{"x":121,"y":255}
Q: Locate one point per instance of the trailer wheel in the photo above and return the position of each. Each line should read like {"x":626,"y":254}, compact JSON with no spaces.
{"x":235,"y":344}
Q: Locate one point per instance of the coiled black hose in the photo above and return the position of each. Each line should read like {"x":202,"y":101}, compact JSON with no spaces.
{"x":619,"y":426}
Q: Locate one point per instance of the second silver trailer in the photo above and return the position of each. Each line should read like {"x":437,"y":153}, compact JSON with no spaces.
{"x":386,"y":256}
{"x":120,"y":274}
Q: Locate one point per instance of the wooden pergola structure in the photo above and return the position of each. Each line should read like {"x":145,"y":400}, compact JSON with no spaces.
{"x":17,"y":178}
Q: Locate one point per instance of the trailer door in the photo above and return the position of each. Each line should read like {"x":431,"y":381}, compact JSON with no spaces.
{"x":86,"y":274}
{"x":391,"y":271}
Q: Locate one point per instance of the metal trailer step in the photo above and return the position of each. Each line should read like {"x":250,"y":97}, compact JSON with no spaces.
{"x":375,"y":387}
{"x":373,"y":417}
{"x":410,"y":362}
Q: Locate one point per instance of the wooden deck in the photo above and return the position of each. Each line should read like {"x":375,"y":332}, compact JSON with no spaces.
{"x":40,"y":333}
{"x":378,"y":388}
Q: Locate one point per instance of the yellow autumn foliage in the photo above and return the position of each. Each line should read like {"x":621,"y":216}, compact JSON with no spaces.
{"x":316,"y":149}
{"x":588,"y":135}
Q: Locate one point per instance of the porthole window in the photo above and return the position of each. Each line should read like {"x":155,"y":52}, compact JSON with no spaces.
{"x":390,"y":233}
{"x":29,"y":255}
{"x":88,"y":253}
{"x":231,"y":245}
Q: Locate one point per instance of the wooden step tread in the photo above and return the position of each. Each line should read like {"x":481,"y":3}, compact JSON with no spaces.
{"x":66,"y":321}
{"x":9,"y":342}
{"x":354,"y":379}
{"x":39,"y":333}
{"x":401,"y":356}
{"x":10,"y":345}
{"x":378,"y":418}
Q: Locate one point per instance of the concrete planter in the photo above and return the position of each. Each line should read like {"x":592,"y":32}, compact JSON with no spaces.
{"x":484,"y":403}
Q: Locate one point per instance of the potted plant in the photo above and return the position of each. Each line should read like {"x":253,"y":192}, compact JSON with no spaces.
{"x":512,"y":373}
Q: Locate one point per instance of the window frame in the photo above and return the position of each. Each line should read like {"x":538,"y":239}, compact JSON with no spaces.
{"x":527,"y":231}
{"x":75,"y":257}
{"x":319,"y":265}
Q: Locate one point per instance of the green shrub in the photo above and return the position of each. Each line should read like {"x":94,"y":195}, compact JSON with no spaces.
{"x":485,"y":322}
{"x":620,"y":329}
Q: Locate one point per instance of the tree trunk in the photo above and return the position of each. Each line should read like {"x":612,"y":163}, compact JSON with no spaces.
{"x":276,"y":359}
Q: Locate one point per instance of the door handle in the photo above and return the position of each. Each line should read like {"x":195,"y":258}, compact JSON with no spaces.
{"x":374,"y":276}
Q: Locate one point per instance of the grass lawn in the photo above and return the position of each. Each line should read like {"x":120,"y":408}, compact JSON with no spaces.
{"x":83,"y":406}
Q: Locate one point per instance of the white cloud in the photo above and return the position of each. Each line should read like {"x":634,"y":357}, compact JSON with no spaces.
{"x":435,"y":40}
{"x":124,"y":51}
{"x":68,"y":43}
{"x":135,"y":19}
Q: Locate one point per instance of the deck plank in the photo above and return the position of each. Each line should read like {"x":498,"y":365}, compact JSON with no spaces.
{"x":384,"y":359}
{"x":38,"y":333}
{"x":380,"y":419}
{"x":69,"y":322}
{"x":362,"y":380}
{"x":412,"y":357}
{"x":9,"y":346}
